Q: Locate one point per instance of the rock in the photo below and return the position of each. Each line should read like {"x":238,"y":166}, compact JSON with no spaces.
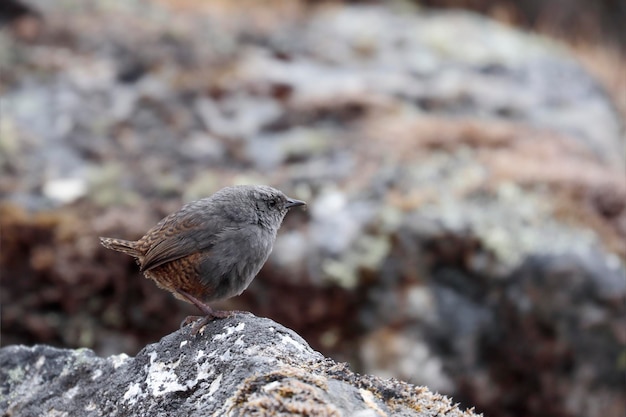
{"x":467,"y":211}
{"x":240,"y":366}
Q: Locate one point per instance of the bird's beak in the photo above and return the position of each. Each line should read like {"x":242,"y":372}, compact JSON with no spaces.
{"x":292,"y":202}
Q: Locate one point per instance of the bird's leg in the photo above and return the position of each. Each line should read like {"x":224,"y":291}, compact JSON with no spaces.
{"x":210,"y":314}
{"x":193,"y":300}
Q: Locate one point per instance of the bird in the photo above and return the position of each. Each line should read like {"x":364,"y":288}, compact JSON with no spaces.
{"x":211,"y":249}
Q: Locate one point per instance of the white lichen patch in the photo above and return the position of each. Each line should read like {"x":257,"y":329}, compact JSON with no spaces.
{"x":215,"y":385}
{"x":91,"y":406}
{"x":289,"y":341}
{"x":239,"y":341}
{"x":118,"y":360}
{"x":40,"y":362}
{"x":71,"y":393}
{"x":96,"y":374}
{"x":162,"y":378}
{"x":16,"y":374}
{"x":24,"y":388}
{"x":226,"y":356}
{"x":133,"y":393}
{"x":252,"y":350}
{"x":229,"y":331}
{"x":204,"y":372}
{"x":183,"y":343}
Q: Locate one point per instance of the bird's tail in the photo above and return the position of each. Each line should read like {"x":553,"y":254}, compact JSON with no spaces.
{"x":128,"y":247}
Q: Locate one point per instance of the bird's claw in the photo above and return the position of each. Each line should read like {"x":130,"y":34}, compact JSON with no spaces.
{"x":201,"y":321}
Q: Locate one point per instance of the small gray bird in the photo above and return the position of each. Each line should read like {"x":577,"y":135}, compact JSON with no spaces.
{"x":211,"y":249}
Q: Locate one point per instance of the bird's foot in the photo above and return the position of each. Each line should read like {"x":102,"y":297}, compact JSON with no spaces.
{"x":202,"y":321}
{"x":209,"y":316}
{"x":189,"y":319}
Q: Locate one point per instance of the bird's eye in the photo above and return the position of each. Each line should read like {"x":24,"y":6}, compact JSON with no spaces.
{"x":272,"y":203}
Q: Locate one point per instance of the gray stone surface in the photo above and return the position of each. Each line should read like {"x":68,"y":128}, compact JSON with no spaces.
{"x":466,"y":184}
{"x":240,"y":366}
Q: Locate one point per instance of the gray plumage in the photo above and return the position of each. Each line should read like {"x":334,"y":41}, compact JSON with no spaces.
{"x":211,"y":249}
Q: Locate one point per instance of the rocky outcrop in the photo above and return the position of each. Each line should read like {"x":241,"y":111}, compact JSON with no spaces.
{"x":466,"y":186}
{"x":240,"y":366}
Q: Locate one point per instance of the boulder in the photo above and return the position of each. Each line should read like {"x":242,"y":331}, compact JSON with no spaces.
{"x":467,"y":212}
{"x":240,"y":366}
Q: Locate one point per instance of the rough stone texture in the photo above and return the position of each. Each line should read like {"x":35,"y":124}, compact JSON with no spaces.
{"x":240,"y":366}
{"x":466,"y":185}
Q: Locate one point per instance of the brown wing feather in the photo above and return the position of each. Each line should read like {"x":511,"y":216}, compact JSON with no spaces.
{"x":166,"y":251}
{"x":126,"y":246}
{"x":178,"y":238}
{"x":194,"y":228}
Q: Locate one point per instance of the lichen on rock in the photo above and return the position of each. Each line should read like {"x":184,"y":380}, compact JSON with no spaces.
{"x":240,"y":366}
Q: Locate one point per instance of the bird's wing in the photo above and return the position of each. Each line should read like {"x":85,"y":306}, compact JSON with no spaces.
{"x":170,"y":249}
{"x":180,"y":235}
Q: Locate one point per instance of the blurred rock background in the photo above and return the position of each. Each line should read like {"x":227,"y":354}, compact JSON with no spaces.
{"x":465,"y":174}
